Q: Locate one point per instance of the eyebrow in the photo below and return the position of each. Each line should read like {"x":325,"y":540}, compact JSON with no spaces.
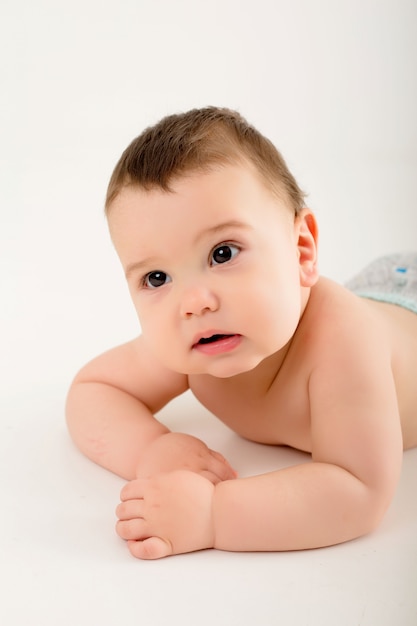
{"x":213,"y":230}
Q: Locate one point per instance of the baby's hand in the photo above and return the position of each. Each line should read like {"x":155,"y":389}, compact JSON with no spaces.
{"x":173,"y":451}
{"x":167,"y":514}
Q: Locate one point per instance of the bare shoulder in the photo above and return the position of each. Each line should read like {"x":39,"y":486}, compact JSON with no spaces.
{"x":132,"y":367}
{"x":331,"y":301}
{"x":334,"y":320}
{"x":372,"y":341}
{"x":358,"y":333}
{"x":343,"y":345}
{"x":334,"y":311}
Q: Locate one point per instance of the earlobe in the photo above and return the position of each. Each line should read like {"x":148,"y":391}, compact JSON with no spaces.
{"x":307,"y":238}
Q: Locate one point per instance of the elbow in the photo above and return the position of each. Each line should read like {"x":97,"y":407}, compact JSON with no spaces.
{"x":373,"y":515}
{"x":371,"y":509}
{"x":72,"y":410}
{"x":77,"y":418}
{"x":375,"y":494}
{"x":364,"y":504}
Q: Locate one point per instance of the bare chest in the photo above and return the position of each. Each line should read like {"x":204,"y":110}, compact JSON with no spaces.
{"x":279,"y":415}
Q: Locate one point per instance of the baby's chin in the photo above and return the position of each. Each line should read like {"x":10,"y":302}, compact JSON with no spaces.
{"x":223,"y":369}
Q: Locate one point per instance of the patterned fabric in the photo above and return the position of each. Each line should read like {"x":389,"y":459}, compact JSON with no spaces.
{"x":390,"y":279}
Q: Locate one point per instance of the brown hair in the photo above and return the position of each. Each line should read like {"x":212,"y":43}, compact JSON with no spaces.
{"x":196,"y":141}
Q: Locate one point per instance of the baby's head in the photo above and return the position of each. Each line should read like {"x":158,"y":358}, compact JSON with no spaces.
{"x":217,"y":249}
{"x":196,"y":142}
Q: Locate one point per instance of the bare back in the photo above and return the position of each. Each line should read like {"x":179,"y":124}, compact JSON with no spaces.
{"x":401,"y":329}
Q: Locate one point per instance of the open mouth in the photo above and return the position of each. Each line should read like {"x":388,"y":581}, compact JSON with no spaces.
{"x":213,"y":338}
{"x":217,"y":343}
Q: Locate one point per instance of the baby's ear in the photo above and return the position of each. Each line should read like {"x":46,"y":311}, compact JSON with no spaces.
{"x":307,"y":237}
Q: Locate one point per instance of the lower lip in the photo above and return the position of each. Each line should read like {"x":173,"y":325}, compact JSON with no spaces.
{"x":227,"y":344}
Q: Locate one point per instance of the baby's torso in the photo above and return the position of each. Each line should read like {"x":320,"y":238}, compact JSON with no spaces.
{"x":279,"y":415}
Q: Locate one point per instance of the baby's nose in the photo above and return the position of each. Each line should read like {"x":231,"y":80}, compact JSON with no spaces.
{"x":198,"y":300}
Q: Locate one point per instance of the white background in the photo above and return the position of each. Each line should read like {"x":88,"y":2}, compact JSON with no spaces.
{"x":333,"y":83}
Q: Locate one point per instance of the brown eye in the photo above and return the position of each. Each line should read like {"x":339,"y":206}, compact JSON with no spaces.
{"x":156,"y":279}
{"x":223,"y":253}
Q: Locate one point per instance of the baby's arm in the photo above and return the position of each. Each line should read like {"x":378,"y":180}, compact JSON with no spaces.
{"x":356,"y":453}
{"x":110,"y":416}
{"x":342,"y":494}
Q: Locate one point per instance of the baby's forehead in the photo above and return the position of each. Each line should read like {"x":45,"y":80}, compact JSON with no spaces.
{"x":228,"y":188}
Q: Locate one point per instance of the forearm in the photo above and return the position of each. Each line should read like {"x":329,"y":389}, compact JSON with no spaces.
{"x":306,"y":506}
{"x":110,"y":426}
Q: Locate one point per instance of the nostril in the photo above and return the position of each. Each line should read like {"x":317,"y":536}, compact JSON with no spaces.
{"x":198,"y":301}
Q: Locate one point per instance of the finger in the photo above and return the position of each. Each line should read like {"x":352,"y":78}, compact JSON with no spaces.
{"x":213,"y":478}
{"x":133,"y":490}
{"x":221,"y":467}
{"x":217,"y":474}
{"x":132,"y":529}
{"x":150,"y":548}
{"x":130,"y":509}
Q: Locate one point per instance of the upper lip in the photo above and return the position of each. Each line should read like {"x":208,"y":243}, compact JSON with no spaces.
{"x":209,"y":333}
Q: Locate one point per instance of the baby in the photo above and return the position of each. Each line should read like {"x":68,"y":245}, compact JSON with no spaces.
{"x":220,"y":256}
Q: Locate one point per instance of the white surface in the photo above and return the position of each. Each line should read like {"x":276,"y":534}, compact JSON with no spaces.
{"x":62,"y":563}
{"x":334,"y":85}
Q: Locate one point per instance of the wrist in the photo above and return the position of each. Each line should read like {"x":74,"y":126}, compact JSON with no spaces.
{"x":218,"y":513}
{"x":145,"y":452}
